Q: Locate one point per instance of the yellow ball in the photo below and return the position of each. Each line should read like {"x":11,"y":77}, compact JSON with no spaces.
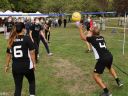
{"x":76,"y":16}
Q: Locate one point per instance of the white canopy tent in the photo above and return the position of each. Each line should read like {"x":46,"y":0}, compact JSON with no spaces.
{"x":21,"y":14}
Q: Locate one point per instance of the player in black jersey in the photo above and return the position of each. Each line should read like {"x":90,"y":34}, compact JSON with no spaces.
{"x":47,"y":31}
{"x":21,"y":50}
{"x":102,"y":55}
{"x":28,"y":25}
{"x":35,"y":31}
{"x":8,"y":27}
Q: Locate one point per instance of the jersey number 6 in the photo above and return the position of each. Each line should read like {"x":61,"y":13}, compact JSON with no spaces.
{"x":18,"y":52}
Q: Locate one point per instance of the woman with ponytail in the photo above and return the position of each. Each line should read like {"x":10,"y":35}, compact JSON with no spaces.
{"x":103,"y":57}
{"x":21,"y":50}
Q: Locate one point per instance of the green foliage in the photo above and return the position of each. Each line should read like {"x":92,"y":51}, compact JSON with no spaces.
{"x":57,"y":6}
{"x":64,"y":6}
{"x":121,"y":6}
{"x":26,"y":5}
{"x":5,"y":5}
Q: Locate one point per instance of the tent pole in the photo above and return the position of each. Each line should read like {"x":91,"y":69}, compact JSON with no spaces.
{"x":124,"y":34}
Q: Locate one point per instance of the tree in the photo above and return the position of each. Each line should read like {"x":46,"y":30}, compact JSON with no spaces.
{"x":103,"y":4}
{"x":121,"y":6}
{"x":56,"y":6}
{"x":26,"y":5}
{"x":5,"y":5}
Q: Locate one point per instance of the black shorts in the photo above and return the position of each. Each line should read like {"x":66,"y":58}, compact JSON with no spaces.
{"x":102,"y":63}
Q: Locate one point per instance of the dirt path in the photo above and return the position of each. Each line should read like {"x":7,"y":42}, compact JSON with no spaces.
{"x":76,"y":81}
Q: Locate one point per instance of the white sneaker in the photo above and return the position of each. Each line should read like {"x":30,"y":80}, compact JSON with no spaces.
{"x":50,"y":54}
{"x":120,"y":84}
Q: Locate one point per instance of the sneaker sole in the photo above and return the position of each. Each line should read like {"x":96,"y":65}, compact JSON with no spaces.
{"x":107,"y":95}
{"x":120,"y":85}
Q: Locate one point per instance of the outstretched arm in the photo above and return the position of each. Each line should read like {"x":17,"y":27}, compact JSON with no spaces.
{"x":82,"y":35}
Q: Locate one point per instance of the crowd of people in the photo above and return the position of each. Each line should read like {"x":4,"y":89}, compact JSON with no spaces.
{"x":32,"y":26}
{"x":24,"y":38}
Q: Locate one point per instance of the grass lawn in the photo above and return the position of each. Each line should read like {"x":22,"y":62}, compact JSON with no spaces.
{"x":69,"y":71}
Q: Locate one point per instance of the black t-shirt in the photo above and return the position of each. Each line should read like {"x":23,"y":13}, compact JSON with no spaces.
{"x":99,"y":46}
{"x":49,"y":23}
{"x":28,"y":26}
{"x":36,"y":28}
{"x":9,"y":26}
{"x":65,"y":21}
{"x":20,"y":49}
{"x":47,"y":27}
{"x":88,"y":26}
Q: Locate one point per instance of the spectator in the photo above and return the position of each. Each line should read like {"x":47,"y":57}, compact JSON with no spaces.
{"x":65,"y":22}
{"x":8,"y":27}
{"x":59,"y":22}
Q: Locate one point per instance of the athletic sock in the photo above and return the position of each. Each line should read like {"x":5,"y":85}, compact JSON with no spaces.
{"x":117,"y":80}
{"x":106,"y":90}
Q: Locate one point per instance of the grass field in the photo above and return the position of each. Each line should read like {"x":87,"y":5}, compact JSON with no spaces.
{"x":69,"y":71}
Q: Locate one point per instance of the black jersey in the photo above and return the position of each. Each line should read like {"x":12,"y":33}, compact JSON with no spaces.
{"x":47,"y":27}
{"x":20,"y":50}
{"x":36,"y":28}
{"x":28,"y":26}
{"x":99,"y":46}
{"x":9,"y":26}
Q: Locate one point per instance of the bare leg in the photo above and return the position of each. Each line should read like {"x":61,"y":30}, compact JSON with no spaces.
{"x":87,"y":43}
{"x":112,"y":72}
{"x":98,"y":80}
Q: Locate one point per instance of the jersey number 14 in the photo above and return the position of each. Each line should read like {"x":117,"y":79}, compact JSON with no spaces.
{"x":102,"y":45}
{"x":18,"y":52}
